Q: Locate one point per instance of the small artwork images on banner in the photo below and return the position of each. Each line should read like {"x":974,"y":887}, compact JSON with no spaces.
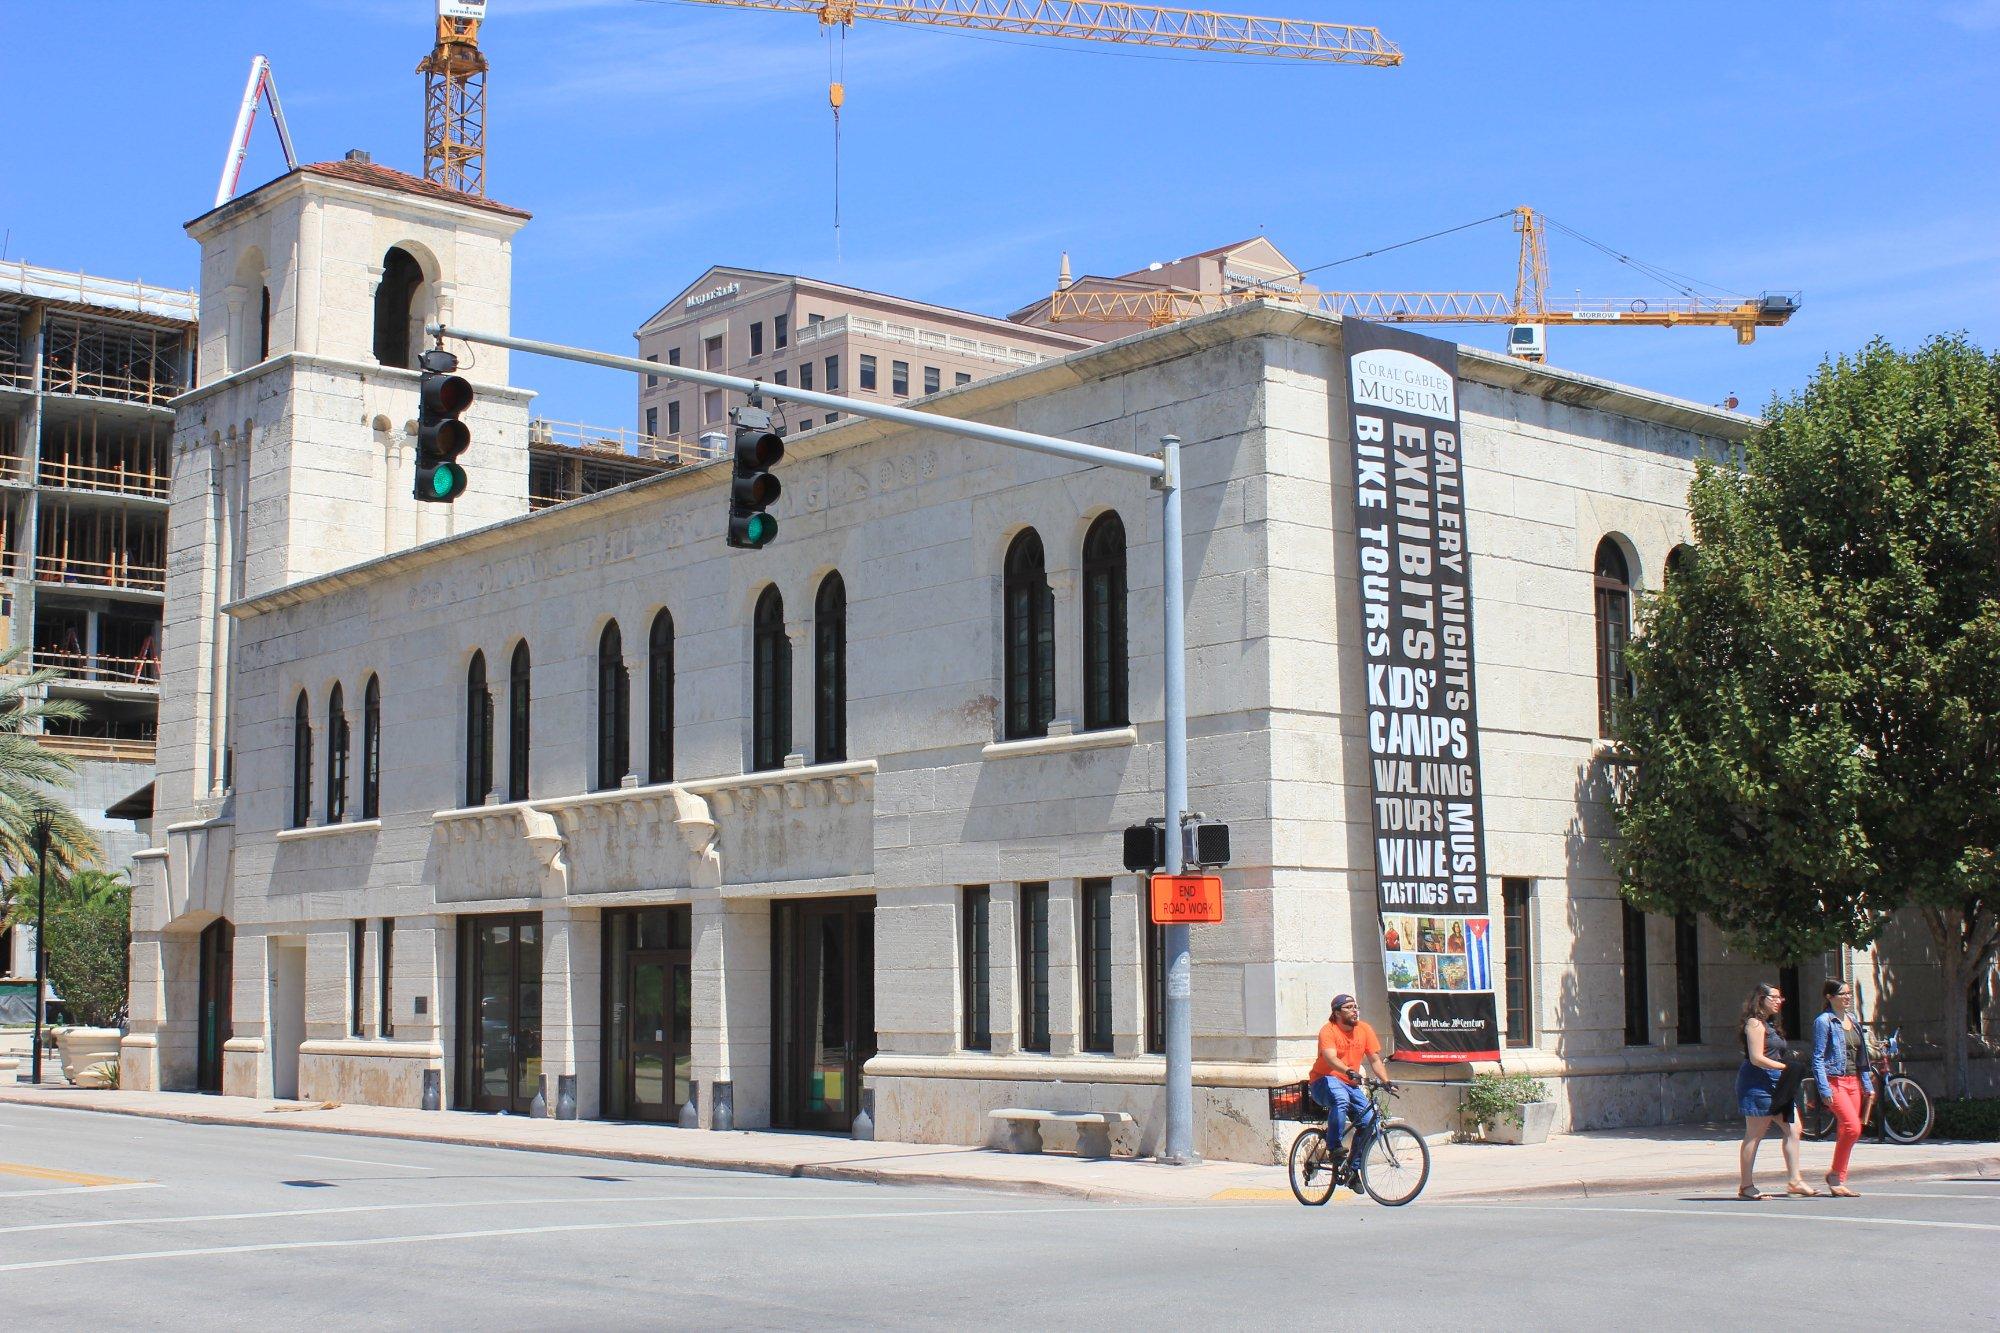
{"x":1429,"y":831}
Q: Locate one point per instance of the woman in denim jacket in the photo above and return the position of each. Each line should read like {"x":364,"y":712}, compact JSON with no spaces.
{"x":1841,"y":1069}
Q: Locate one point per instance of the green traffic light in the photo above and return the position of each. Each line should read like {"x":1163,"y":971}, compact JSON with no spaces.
{"x":760,"y":529}
{"x":448,"y":481}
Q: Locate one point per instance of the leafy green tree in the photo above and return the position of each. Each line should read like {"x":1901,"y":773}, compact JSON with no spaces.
{"x":89,"y":930}
{"x":1813,"y":741}
{"x":31,"y":772}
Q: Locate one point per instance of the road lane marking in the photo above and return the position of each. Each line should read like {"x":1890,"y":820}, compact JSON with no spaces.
{"x":50,"y":1173}
{"x":6,"y":1195}
{"x":94,"y":1224}
{"x":1891,"y":1194}
{"x":496,"y":1233}
{"x":363,"y":1161}
{"x":1777,"y":1215}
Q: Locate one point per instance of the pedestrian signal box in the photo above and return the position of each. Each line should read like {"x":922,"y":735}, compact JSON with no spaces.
{"x":1180,"y":900}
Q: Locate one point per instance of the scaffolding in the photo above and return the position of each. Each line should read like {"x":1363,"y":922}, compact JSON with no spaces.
{"x":92,"y":359}
{"x":567,"y":461}
{"x":101,"y":547}
{"x":120,"y":458}
{"x":108,"y":645}
{"x":15,"y":372}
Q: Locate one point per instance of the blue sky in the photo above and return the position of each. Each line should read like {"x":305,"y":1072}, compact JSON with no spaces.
{"x":1844,"y":150}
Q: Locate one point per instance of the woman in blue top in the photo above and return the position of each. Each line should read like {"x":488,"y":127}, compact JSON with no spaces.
{"x":1764,"y":1093}
{"x":1840,"y":1067}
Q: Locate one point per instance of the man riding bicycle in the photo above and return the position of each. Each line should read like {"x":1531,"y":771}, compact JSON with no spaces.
{"x":1345,"y":1045}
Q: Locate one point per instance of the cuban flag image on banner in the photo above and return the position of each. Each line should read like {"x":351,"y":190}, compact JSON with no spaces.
{"x":1478,"y":953}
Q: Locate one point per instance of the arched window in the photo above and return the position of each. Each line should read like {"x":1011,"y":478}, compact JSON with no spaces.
{"x":478,"y":733}
{"x":371,"y":750}
{"x":1614,"y":630}
{"x":302,"y":762}
{"x":1680,"y":560}
{"x":614,"y":709}
{"x":336,"y":756}
{"x":770,"y":683}
{"x":660,"y":699}
{"x":264,"y":326}
{"x":1030,"y":640}
{"x":830,"y":671}
{"x":1104,"y":693}
{"x":401,"y":276}
{"x":517,"y":724}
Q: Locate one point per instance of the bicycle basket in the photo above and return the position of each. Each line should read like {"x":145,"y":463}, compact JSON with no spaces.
{"x":1293,"y":1102}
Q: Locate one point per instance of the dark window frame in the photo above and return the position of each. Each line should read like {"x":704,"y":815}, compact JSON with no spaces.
{"x":1153,"y":946}
{"x":933,"y":380}
{"x":395,"y":294}
{"x":385,"y":971}
{"x":614,"y":709}
{"x":264,"y":326}
{"x":653,"y":421}
{"x":1638,"y":1009}
{"x":1106,"y":660}
{"x":674,"y":417}
{"x":1612,"y":579}
{"x":371,"y":749}
{"x":478,"y":733}
{"x":1028,"y":638}
{"x":1687,"y":979}
{"x":660,"y":698}
{"x":357,"y":995}
{"x":1033,"y":962}
{"x":757,"y":338}
{"x":833,"y":374}
{"x":520,"y":721}
{"x":781,"y":326}
{"x":899,"y":378}
{"x":960,"y":378}
{"x":338,"y":737}
{"x":805,"y":374}
{"x":770,"y":683}
{"x":868,"y":379}
{"x":1518,"y":956}
{"x":830,"y":670}
{"x":1096,"y":969}
{"x":975,"y":965}
{"x":302,"y":762}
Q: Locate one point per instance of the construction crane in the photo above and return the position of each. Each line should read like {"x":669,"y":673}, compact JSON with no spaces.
{"x":1527,"y":309}
{"x":455,"y":99}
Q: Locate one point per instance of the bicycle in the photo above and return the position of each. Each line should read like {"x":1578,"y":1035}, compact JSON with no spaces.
{"x":1902,"y":1111}
{"x":1395,"y":1167}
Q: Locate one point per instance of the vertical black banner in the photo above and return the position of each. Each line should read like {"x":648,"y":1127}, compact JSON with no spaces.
{"x":1423,"y":728}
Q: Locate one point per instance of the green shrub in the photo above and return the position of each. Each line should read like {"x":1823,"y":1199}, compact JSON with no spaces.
{"x":1492,"y":1098}
{"x":89,"y":918}
{"x":1969,"y":1118}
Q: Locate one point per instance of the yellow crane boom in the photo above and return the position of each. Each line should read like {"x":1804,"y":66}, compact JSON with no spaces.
{"x":1085,"y":20}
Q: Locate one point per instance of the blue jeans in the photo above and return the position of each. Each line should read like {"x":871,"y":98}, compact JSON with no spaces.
{"x":1343,"y":1101}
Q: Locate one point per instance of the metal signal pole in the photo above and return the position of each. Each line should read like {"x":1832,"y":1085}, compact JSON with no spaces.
{"x":1177,"y":1145}
{"x":44,"y":825}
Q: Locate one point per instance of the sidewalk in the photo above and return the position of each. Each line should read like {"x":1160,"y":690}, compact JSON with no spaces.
{"x":1699,"y":1158}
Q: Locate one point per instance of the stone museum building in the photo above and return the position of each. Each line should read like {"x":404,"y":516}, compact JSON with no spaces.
{"x":579,"y":812}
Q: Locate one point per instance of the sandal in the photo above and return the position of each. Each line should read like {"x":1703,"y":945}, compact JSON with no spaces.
{"x":1751,"y":1194}
{"x":1798,"y":1189}
{"x":1840,"y":1191}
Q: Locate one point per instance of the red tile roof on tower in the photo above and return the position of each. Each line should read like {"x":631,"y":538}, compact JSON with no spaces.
{"x":373,"y":173}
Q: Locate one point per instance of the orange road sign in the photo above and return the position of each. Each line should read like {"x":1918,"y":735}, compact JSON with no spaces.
{"x":1180,"y":900}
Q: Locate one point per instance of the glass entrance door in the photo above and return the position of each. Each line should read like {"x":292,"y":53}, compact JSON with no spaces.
{"x":500,"y":1012}
{"x":648,"y":1056}
{"x":218,"y":954}
{"x":825,"y":1019}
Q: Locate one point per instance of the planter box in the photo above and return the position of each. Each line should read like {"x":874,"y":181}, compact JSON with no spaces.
{"x":1537,"y":1119}
{"x":84,"y":1050}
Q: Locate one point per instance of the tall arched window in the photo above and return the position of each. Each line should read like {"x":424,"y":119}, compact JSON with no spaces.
{"x":401,"y":276}
{"x":371,"y":749}
{"x":517,"y":724}
{"x":302,"y":762}
{"x":1104,"y":673}
{"x":660,"y":699}
{"x":614,"y":709}
{"x":478,"y":733}
{"x":770,"y":683}
{"x":1614,"y":630}
{"x":264,"y":325}
{"x":830,"y":671}
{"x":336,"y":756}
{"x":1030,"y":640}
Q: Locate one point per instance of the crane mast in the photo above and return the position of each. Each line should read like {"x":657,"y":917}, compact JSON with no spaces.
{"x":455,"y":99}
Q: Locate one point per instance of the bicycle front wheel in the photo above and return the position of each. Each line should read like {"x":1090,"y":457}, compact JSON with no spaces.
{"x":1311,"y":1170}
{"x":1906,"y":1110}
{"x":1399,"y":1162}
{"x":1815,"y":1116}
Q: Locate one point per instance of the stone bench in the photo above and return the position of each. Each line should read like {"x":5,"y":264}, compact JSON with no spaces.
{"x":1019,"y":1130}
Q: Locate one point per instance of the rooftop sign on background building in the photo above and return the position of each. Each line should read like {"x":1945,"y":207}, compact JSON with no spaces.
{"x":714,"y":294}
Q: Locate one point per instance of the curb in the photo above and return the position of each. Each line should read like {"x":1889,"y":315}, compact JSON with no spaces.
{"x":1975,"y":1161}
{"x":748,"y":1166}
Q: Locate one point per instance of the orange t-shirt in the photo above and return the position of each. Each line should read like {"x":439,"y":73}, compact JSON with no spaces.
{"x":1351,"y":1047}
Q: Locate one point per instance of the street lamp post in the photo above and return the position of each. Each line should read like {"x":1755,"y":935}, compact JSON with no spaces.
{"x":1177,"y":1145}
{"x":44,"y":825}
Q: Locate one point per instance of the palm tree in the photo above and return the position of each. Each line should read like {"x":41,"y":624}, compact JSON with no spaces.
{"x":30,"y":771}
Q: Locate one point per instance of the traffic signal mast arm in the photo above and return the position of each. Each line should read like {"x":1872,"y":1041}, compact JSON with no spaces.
{"x":1164,"y":473}
{"x":1074,"y":450}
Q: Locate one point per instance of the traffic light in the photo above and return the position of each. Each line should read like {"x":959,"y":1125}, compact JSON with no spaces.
{"x":441,"y":436}
{"x":752,"y":488}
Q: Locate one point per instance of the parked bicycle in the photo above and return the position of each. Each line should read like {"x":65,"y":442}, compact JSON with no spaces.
{"x":1396,"y":1165}
{"x":1902,"y":1112}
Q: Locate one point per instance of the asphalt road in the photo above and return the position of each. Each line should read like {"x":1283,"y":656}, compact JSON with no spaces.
{"x":115,"y":1222}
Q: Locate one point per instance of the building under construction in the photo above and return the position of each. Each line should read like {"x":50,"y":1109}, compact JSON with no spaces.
{"x":88,"y":367}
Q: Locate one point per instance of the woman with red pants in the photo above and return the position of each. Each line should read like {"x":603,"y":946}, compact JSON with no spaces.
{"x":1841,"y":1068}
